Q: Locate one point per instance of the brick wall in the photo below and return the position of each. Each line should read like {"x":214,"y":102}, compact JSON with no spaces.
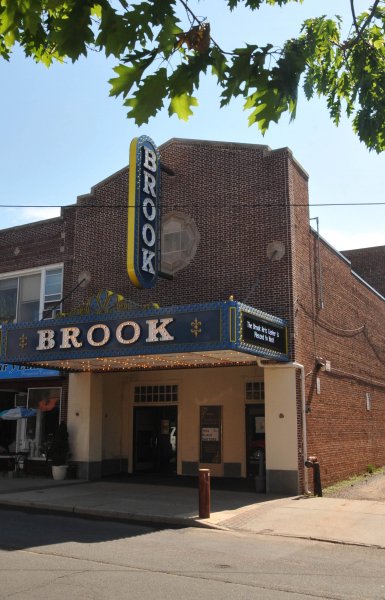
{"x":369,"y":263}
{"x":347,"y":331}
{"x":38,"y":244}
{"x":237,"y":195}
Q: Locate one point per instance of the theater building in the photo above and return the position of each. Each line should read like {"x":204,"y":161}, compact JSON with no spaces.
{"x":202,"y":323}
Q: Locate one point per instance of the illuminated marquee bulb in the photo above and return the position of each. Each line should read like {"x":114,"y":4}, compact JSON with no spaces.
{"x":106,"y":335}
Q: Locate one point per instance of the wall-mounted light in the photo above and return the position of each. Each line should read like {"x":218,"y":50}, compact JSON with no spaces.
{"x":322,"y":364}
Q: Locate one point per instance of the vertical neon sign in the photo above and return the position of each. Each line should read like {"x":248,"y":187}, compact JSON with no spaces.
{"x":143,"y":234}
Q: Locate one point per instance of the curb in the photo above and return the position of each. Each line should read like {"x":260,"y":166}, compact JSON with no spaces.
{"x":161,"y":521}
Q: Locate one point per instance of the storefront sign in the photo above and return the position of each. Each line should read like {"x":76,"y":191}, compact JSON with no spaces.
{"x":8,"y":371}
{"x":228,"y":326}
{"x":258,"y":332}
{"x":115,"y":335}
{"x":210,"y":434}
{"x":143,"y":213}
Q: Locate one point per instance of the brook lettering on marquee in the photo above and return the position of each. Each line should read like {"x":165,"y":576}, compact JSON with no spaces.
{"x":125,"y":333}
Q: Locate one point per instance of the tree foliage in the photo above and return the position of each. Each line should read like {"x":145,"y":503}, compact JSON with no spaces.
{"x":163,"y":49}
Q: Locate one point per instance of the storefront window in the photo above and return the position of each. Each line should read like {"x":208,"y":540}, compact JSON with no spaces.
{"x":210,"y":434}
{"x":40,"y":429}
{"x":33,"y":434}
{"x":7,"y":428}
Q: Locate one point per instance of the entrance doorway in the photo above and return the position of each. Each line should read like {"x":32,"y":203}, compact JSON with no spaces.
{"x":155,"y":439}
{"x":255,"y":439}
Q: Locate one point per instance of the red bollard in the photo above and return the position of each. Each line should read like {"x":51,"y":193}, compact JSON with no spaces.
{"x":204,"y":493}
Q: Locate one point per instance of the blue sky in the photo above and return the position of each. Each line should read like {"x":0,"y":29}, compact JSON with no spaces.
{"x":62,"y":133}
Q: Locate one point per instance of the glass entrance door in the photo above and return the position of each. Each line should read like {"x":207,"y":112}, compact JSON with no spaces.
{"x":255,"y":438}
{"x":155,"y":439}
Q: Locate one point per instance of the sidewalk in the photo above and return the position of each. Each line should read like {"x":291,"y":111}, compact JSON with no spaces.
{"x":359,"y":522}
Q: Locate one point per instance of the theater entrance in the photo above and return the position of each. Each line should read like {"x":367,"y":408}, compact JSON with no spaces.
{"x":155,"y":439}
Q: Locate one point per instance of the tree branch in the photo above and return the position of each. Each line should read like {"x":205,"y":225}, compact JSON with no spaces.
{"x":367,"y":20}
{"x":195,"y":18}
{"x":354,"y":15}
{"x":189,"y":11}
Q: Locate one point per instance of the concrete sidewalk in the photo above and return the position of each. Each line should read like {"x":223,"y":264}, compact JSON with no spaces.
{"x":359,"y":522}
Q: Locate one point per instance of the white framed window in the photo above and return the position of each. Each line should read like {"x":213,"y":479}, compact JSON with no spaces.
{"x":255,"y":391}
{"x":155,"y":393}
{"x":31,"y":295}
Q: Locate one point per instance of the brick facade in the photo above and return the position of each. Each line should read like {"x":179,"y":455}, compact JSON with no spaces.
{"x":369,"y":263}
{"x":242,"y":198}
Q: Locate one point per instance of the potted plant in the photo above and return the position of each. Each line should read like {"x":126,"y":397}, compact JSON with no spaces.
{"x":60,"y":452}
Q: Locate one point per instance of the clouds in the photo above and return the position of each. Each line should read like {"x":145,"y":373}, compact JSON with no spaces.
{"x":20,"y":216}
{"x":351,"y":240}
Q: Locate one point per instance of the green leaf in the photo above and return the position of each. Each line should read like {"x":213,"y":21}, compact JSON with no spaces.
{"x":128,"y":76}
{"x":167,"y":35}
{"x":180,"y":105}
{"x":219,"y":63}
{"x":115,"y":34}
{"x":349,"y":73}
{"x":148,"y":99}
{"x":185,"y":77}
{"x":73,"y":32}
{"x":96,"y":11}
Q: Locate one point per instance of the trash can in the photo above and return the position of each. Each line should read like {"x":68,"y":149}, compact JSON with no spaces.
{"x":260,"y":471}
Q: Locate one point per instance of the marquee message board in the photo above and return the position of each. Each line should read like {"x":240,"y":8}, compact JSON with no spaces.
{"x":261,"y":333}
{"x":143,"y":235}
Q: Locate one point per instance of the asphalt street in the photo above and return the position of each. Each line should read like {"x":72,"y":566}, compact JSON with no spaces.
{"x":51,"y":557}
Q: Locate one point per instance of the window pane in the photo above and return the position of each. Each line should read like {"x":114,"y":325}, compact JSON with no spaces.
{"x":8,"y":299}
{"x":52,"y":292}
{"x":30,"y":288}
{"x":29,"y":311}
{"x":53,"y":280}
{"x":8,"y":284}
{"x":29,"y":297}
{"x":171,"y":242}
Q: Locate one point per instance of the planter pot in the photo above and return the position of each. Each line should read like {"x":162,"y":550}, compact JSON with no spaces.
{"x":59,"y":472}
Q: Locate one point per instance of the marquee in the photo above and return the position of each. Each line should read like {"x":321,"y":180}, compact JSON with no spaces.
{"x":178,"y":336}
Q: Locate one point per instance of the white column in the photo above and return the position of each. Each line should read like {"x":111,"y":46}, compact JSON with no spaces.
{"x":281,"y":430}
{"x":85,"y":423}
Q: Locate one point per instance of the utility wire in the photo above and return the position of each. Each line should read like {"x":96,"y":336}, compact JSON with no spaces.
{"x":226,"y":204}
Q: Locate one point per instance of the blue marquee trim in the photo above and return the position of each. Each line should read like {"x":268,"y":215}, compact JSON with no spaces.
{"x":206,"y":327}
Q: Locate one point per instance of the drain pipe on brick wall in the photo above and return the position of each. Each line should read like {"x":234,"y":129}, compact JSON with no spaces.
{"x":263,"y":363}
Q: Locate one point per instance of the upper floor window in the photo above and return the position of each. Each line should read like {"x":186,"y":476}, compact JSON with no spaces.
{"x":31,"y":295}
{"x":180,"y":240}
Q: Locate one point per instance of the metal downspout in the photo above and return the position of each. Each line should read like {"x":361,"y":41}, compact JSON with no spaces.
{"x":262,"y":363}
